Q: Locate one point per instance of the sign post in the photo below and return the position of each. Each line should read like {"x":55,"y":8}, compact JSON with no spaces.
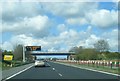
{"x":30,"y":48}
{"x":8,"y":59}
{"x":23,"y":54}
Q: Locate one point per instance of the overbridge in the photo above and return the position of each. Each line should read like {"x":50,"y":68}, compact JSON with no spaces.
{"x":70,"y":55}
{"x":52,"y":53}
{"x":36,"y":51}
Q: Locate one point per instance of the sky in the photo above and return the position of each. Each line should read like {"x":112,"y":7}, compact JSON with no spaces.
{"x":58,"y":26}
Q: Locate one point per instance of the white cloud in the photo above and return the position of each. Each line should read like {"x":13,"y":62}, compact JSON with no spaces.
{"x":31,"y":28}
{"x":91,"y":40}
{"x":65,"y":40}
{"x":100,"y":18}
{"x":103,"y":18}
{"x":14,"y":11}
{"x":83,"y":13}
{"x":79,"y":21}
{"x":112,"y":34}
{"x":38,"y":26}
{"x":61,"y":0}
{"x":112,"y":38}
{"x":7,"y":46}
{"x":62,"y":42}
{"x":68,"y":10}
{"x":70,"y":34}
{"x":22,"y":39}
{"x":62,"y":27}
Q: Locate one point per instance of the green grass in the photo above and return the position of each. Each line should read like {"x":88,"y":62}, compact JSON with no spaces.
{"x":5,"y":67}
{"x":15,"y":64}
{"x":0,"y":64}
{"x":100,"y":68}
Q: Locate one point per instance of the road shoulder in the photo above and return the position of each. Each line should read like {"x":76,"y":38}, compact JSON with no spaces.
{"x":88,"y":69}
{"x":12,"y":71}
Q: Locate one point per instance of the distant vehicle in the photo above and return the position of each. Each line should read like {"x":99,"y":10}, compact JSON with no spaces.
{"x":39,"y":63}
{"x":45,"y":60}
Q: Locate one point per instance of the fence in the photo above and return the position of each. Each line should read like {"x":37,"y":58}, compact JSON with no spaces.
{"x":95,"y":63}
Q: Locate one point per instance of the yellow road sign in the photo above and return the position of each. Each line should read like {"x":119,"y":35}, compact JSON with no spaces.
{"x":8,"y":57}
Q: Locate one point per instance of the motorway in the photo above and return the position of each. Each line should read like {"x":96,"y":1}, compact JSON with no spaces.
{"x":59,"y":71}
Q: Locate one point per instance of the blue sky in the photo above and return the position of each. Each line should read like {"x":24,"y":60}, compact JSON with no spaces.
{"x":59,"y":26}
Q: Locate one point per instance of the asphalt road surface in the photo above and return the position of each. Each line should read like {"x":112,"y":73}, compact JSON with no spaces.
{"x":59,"y":71}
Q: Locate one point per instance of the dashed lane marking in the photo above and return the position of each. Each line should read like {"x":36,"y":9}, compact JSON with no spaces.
{"x":60,"y":74}
{"x":53,"y":68}
{"x":91,"y":69}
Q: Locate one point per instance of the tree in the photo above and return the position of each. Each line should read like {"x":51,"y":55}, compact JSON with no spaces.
{"x":0,"y":54}
{"x":101,"y":45}
{"x":18,"y":52}
{"x":76,"y":49}
{"x":113,"y":55}
{"x":0,"y":49}
{"x":28,"y":56}
{"x":87,"y":54}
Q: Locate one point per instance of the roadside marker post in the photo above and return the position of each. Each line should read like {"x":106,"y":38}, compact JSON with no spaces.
{"x":115,"y":63}
{"x":111,"y":64}
{"x":119,"y":63}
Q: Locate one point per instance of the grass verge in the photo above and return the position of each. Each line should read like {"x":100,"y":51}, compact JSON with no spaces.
{"x":99,"y":68}
{"x":14,"y":64}
{"x":0,"y":64}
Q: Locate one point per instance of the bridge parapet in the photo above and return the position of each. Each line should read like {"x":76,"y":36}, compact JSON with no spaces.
{"x":51,"y":53}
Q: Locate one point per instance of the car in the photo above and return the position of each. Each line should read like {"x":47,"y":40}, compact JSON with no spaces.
{"x":39,"y":63}
{"x":45,"y":60}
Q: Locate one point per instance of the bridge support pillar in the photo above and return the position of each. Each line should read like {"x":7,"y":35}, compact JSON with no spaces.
{"x":68,"y":57}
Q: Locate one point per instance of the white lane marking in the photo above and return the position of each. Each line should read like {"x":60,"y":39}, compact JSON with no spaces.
{"x":91,"y":70}
{"x":99,"y":71}
{"x":56,"y":71}
{"x":53,"y":68}
{"x":60,"y":74}
{"x":19,"y":72}
{"x":48,"y":64}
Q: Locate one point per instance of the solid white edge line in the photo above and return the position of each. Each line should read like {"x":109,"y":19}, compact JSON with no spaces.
{"x":99,"y":71}
{"x":92,"y":70}
{"x":18,"y":72}
{"x":60,"y":74}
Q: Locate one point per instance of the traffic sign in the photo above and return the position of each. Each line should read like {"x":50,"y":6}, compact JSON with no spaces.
{"x":8,"y":57}
{"x":33,"y":48}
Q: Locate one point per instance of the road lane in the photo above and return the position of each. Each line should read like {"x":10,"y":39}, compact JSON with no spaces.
{"x":38,"y":73}
{"x":77,"y":73}
{"x":59,"y":71}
